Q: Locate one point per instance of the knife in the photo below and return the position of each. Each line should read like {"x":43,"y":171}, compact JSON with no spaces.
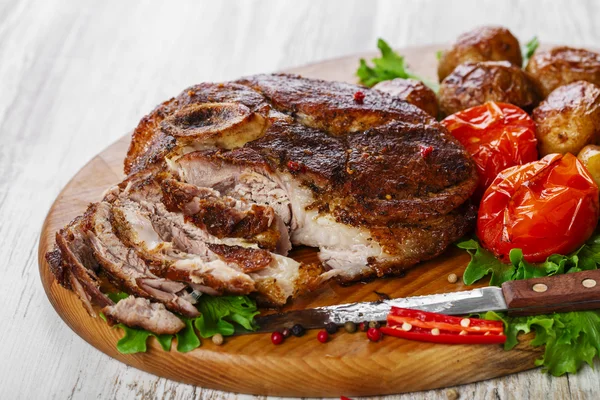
{"x":569,"y":292}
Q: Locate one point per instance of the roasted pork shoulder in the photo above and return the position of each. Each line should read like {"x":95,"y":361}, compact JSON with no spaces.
{"x":224,"y":179}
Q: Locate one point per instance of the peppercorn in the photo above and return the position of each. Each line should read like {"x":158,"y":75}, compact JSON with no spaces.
{"x":322,"y":336}
{"x":425,"y":151}
{"x":217,"y":339}
{"x":359,"y":97}
{"x":452,"y":278}
{"x":276,"y":337}
{"x":363,"y":326}
{"x":374,"y":324}
{"x":286,"y":333}
{"x":298,"y":330}
{"x":331,"y":328}
{"x":350,"y":327}
{"x":374,"y":334}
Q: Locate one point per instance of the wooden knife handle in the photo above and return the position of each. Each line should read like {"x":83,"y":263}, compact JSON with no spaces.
{"x":561,"y":293}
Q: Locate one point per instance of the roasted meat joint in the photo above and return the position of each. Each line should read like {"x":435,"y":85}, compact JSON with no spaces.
{"x":224,"y":179}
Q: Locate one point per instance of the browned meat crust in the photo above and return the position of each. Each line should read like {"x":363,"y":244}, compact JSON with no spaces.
{"x":152,"y":139}
{"x":330,"y":106}
{"x":249,"y":259}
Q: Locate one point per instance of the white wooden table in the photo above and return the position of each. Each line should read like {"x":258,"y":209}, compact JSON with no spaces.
{"x":76,"y":75}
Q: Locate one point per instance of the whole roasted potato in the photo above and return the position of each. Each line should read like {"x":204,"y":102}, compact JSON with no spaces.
{"x":568,"y":119}
{"x":590,"y":157}
{"x":412,"y":91}
{"x":486,"y":43}
{"x":473,"y":84}
{"x":562,"y":65}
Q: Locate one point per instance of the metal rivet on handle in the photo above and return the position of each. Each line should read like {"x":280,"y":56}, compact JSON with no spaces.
{"x":588,"y":283}
{"x":540,"y":288}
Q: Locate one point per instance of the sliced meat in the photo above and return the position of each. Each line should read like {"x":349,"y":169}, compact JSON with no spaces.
{"x":124,"y":267}
{"x":78,"y":267}
{"x":218,"y":275}
{"x":141,"y":313}
{"x":249,"y":259}
{"x":223,"y":216}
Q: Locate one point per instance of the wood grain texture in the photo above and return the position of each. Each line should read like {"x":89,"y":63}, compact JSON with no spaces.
{"x":348,"y":364}
{"x":75,"y":75}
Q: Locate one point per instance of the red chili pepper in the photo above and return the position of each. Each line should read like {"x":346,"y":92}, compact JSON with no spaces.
{"x":444,"y":337}
{"x":440,"y":328}
{"x":359,"y":97}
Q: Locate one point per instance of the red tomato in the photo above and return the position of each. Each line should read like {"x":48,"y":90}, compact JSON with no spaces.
{"x":497,"y":135}
{"x":545,"y":207}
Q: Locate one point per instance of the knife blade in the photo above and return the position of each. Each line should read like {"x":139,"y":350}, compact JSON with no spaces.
{"x":456,"y":303}
{"x":576,"y":291}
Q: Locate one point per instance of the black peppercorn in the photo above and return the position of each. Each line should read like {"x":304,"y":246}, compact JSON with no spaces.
{"x":286,"y":333}
{"x":298,"y":330}
{"x":331,"y":328}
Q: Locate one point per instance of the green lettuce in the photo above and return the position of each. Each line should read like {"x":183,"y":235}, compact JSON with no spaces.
{"x":389,"y":66}
{"x":218,"y":315}
{"x":570,"y":339}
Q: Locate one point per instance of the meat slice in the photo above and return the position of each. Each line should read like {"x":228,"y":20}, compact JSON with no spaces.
{"x":125,"y":268}
{"x":225,"y":216}
{"x":141,"y":313}
{"x":74,"y":266}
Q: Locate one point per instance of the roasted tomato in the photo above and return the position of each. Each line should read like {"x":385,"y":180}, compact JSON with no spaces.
{"x":545,"y":207}
{"x":497,"y":135}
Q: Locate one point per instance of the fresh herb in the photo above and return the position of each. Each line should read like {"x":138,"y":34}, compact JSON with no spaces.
{"x":439,"y":54}
{"x":218,"y":315}
{"x":529,"y":49}
{"x":570,"y":339}
{"x":389,"y":66}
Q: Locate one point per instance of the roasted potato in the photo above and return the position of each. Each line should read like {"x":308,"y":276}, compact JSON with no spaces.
{"x":412,"y":91}
{"x":590,"y":157}
{"x":562,"y":65}
{"x":472,"y":84}
{"x":568,"y":119}
{"x":486,"y":43}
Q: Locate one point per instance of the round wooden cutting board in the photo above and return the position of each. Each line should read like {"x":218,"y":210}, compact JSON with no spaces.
{"x":347,"y":365}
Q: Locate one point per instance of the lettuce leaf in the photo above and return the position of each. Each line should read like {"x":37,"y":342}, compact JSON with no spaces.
{"x":389,"y":66}
{"x":484,"y":263}
{"x":134,"y":340}
{"x":218,"y":315}
{"x":570,"y":339}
